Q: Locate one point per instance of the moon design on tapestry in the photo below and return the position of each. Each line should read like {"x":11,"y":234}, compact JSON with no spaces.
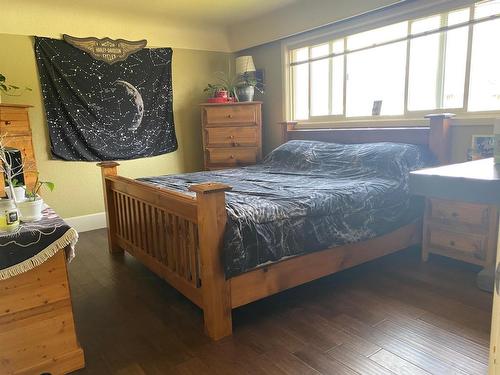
{"x":136,"y":98}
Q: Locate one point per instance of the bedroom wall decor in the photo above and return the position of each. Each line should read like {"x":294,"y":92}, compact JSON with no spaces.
{"x":99,"y":111}
{"x":106,"y":49}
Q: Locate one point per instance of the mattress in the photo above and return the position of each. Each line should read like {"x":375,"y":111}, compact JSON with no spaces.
{"x":308,"y":196}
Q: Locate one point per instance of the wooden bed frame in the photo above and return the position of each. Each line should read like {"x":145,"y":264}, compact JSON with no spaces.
{"x":179,"y":237}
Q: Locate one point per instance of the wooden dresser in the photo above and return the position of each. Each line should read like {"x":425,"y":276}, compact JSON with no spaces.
{"x":37,"y":329}
{"x":460,"y":230}
{"x":15,"y":124}
{"x":232,"y":134}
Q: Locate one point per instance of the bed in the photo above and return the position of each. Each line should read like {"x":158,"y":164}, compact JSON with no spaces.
{"x":228,"y":238}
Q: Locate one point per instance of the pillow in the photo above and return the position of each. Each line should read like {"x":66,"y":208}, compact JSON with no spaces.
{"x":386,"y":158}
{"x":303,"y":154}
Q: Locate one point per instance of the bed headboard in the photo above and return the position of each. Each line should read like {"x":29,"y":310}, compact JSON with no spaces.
{"x":436,"y":135}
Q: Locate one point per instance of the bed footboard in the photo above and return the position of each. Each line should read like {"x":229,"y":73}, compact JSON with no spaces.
{"x":176,"y":235}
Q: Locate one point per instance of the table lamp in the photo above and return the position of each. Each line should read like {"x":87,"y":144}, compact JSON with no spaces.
{"x":244,"y":64}
{"x":246,"y":89}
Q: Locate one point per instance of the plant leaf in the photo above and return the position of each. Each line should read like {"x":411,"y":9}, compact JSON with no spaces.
{"x":50,"y":185}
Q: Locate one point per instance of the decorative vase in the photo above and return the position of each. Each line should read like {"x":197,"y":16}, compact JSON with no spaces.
{"x":246,"y":93}
{"x":31,"y":210}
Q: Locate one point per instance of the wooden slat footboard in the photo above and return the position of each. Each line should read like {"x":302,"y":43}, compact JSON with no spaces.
{"x":176,"y":235}
{"x":163,"y":235}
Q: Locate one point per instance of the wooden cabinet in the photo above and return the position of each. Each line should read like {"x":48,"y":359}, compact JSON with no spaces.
{"x":460,"y":230}
{"x":232,"y":134}
{"x":37,"y":329}
{"x":15,"y":125}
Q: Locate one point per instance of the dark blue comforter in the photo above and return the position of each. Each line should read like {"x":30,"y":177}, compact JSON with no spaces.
{"x":308,"y":196}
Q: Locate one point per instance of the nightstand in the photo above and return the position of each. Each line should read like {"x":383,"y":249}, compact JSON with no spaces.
{"x":460,"y":230}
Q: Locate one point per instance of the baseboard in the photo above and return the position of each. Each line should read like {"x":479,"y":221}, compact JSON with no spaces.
{"x":87,"y":222}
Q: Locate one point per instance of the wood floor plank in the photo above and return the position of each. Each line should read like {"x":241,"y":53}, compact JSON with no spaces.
{"x":288,"y":363}
{"x":478,"y":336}
{"x":323,"y":363}
{"x":466,"y":314}
{"x":357,"y":362}
{"x":440,"y":350}
{"x":403,"y":349}
{"x":396,"y":364}
{"x":193,"y":366}
{"x":438,"y":335}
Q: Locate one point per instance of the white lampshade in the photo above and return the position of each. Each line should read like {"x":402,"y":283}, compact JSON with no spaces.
{"x":244,"y":64}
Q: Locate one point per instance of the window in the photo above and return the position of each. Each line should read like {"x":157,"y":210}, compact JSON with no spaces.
{"x":444,"y":61}
{"x":484,"y":91}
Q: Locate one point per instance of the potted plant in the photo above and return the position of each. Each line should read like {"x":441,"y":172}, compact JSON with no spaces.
{"x":247,"y":84}
{"x":31,"y":208}
{"x":224,"y":89}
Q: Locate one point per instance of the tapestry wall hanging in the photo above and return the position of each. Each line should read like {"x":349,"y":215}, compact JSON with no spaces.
{"x":100,"y":111}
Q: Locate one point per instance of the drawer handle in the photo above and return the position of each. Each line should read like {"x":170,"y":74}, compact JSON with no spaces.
{"x":454,"y":214}
{"x":452,"y":243}
{"x":231,"y":157}
{"x":231,"y":137}
{"x":8,"y":122}
{"x":229,"y":116}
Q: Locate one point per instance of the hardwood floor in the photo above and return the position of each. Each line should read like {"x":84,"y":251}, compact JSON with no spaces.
{"x":395,"y":315}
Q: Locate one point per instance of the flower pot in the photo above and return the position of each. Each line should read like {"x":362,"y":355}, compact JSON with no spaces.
{"x":221,"y":94}
{"x":31,"y":210}
{"x":246,"y":93}
{"x":19,"y":193}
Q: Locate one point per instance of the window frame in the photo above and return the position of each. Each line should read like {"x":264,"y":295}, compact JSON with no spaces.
{"x":373,"y":23}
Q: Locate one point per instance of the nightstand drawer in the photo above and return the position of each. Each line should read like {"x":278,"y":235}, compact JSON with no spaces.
{"x":467,"y":243}
{"x":232,"y":136}
{"x":462,"y":212}
{"x":232,"y":156}
{"x":229,"y":115}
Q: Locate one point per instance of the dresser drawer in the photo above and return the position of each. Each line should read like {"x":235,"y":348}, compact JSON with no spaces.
{"x":14,"y":126}
{"x":230,"y":115}
{"x":459,"y":212}
{"x":231,"y":136}
{"x":13,"y":114}
{"x":232,"y":156}
{"x":466,"y":243}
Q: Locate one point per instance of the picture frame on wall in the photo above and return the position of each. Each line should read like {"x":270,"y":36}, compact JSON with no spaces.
{"x":483,"y":146}
{"x":377,"y":107}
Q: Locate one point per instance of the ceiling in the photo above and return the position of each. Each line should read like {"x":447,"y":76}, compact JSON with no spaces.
{"x":214,"y":25}
{"x":209,"y":12}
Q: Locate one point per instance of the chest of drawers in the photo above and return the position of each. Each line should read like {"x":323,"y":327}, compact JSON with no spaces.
{"x":460,"y":230}
{"x":232,"y":134}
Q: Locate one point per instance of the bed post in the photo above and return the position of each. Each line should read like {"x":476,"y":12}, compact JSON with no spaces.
{"x":439,"y":136}
{"x":286,"y":126}
{"x":215,"y":289}
{"x":109,"y":168}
